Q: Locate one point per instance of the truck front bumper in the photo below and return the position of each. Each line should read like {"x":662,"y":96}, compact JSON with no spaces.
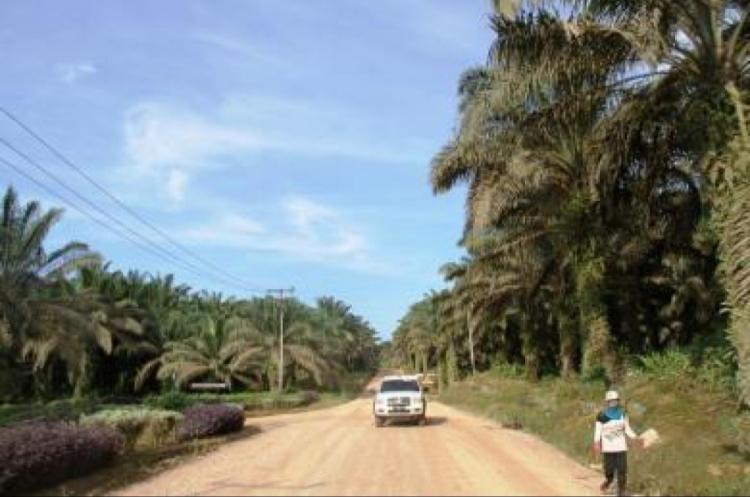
{"x":400,"y":412}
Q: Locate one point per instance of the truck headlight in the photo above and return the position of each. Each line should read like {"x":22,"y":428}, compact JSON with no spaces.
{"x":380,"y":402}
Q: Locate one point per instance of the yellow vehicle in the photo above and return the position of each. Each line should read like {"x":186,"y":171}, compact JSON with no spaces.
{"x":429,"y":383}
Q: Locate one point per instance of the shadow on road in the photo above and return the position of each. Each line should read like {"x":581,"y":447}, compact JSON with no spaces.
{"x":436,"y":420}
{"x":430,"y":421}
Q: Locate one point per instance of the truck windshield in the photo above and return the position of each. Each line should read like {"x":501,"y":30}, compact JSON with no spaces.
{"x":399,"y":386}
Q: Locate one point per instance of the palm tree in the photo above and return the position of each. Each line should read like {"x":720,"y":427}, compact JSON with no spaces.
{"x":223,"y":349}
{"x":541,"y":195}
{"x":681,"y":75}
{"x":305,"y":349}
{"x":36,"y":323}
{"x":579,"y":133}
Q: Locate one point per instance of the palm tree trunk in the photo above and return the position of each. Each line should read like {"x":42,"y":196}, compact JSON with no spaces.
{"x":530,"y":347}
{"x":292,"y":376}
{"x":470,"y":326}
{"x":598,"y":351}
{"x":82,"y":379}
{"x":452,"y":364}
{"x":441,"y":374}
{"x":734,"y":253}
{"x":568,"y":346}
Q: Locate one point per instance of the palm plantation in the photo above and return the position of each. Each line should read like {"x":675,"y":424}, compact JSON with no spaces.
{"x":71,"y":325}
{"x":605,"y":153}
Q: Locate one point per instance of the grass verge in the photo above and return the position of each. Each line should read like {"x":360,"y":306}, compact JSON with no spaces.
{"x":698,"y":454}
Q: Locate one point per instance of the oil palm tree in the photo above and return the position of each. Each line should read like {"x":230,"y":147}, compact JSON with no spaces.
{"x":306,"y":351}
{"x":37,"y":323}
{"x":223,"y":349}
{"x":682,"y":76}
{"x":541,"y":194}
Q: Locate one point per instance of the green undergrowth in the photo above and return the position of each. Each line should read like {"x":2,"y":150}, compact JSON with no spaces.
{"x":66,"y":409}
{"x":249,"y":401}
{"x":254,"y":403}
{"x":701,"y":452}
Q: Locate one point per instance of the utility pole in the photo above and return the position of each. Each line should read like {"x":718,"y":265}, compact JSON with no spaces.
{"x":470,"y":326}
{"x":282,"y":293}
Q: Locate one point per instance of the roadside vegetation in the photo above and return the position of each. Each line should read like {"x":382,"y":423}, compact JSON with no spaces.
{"x":88,"y":351}
{"x":606,"y":152}
{"x":699,"y":453}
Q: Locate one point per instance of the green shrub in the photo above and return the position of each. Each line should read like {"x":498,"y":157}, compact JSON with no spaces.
{"x":210,"y":420}
{"x":513,"y":419}
{"x":171,"y":401}
{"x":669,"y":364}
{"x":279,"y":401}
{"x":59,"y":410}
{"x":507,"y":370}
{"x":741,"y":434}
{"x":142,"y":428}
{"x":718,"y":368}
{"x":595,"y":374}
{"x":34,"y":454}
{"x":249,"y":401}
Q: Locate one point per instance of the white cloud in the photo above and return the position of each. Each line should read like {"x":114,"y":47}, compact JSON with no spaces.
{"x":324,"y":129}
{"x":237,"y":46}
{"x":305,"y":230}
{"x":71,"y":73}
{"x":229,"y":230}
{"x":163,"y":136}
{"x":176,"y":185}
{"x":166,"y":145}
{"x":160,"y":135}
{"x":320,"y":231}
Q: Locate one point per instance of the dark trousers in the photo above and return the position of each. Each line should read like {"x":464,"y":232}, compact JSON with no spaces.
{"x":616,"y":462}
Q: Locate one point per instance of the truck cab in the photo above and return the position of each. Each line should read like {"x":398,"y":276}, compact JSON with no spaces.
{"x":400,"y":398}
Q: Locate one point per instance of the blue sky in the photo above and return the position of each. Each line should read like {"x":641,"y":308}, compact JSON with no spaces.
{"x":288,"y":142}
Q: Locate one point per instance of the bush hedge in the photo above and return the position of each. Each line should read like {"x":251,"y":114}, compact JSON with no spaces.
{"x":284,"y":401}
{"x":58,"y":410}
{"x":250,"y":401}
{"x":141,"y":428}
{"x":210,"y":420}
{"x":40,"y":453}
{"x":172,"y":401}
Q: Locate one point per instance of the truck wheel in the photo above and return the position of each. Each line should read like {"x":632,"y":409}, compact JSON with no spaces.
{"x":378,"y":422}
{"x":422,"y":420}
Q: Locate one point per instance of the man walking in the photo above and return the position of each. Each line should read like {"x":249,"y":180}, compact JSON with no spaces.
{"x":610,"y":432}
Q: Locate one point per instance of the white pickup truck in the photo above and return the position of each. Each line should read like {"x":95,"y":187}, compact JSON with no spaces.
{"x":401,"y":398}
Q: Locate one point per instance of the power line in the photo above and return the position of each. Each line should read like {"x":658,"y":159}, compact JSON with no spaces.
{"x":57,"y":153}
{"x":149,"y":246}
{"x":96,"y":208}
{"x":68,"y":202}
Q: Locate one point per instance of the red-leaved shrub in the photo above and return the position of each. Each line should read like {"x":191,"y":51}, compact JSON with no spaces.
{"x":209,"y":420}
{"x":40,"y":453}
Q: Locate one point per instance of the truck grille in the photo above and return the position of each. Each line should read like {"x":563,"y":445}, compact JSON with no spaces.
{"x":399,"y":404}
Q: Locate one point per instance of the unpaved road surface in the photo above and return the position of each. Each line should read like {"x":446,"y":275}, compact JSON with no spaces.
{"x":339,"y":451}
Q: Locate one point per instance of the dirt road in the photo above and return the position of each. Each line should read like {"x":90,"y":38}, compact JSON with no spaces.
{"x":339,"y":451}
